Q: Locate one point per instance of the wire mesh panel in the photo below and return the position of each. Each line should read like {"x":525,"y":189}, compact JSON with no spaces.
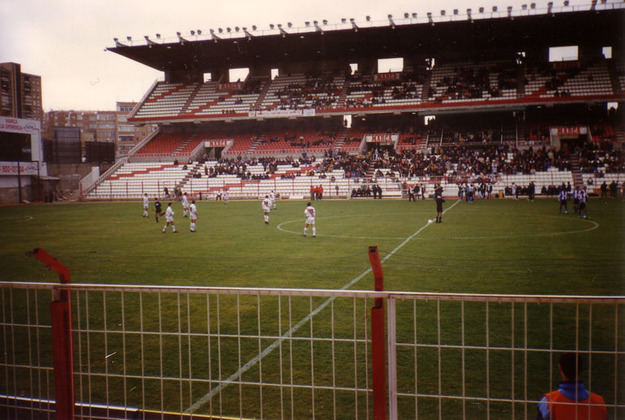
{"x":170,"y":352}
{"x":466,"y":357}
{"x":216,"y":352}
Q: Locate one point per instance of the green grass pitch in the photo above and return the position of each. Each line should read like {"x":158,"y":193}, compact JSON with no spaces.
{"x":488,"y":246}
{"x":498,"y":246}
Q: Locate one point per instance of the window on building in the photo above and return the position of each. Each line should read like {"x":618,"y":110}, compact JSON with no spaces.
{"x":386,"y":65}
{"x":238,"y":75}
{"x":565,"y":53}
{"x":428,"y":118}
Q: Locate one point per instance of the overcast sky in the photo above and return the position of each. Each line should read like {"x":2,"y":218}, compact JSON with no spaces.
{"x":64,"y":41}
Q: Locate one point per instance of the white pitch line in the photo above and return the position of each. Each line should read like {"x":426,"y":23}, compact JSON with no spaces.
{"x":208,"y":396}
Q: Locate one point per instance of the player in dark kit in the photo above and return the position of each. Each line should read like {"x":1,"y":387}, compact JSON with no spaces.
{"x":438,"y":197}
{"x":157,"y":208}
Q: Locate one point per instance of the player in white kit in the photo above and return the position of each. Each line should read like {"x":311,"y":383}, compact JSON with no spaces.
{"x":272,"y":197}
{"x":146,"y":205}
{"x":310,"y":214}
{"x":185,"y":205}
{"x":266,"y":204}
{"x":169,"y":218}
{"x":192,"y":215}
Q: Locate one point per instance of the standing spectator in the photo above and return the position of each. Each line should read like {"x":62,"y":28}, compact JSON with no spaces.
{"x":411,"y":193}
{"x":571,"y":400}
{"x":531,"y":191}
{"x":604,"y":190}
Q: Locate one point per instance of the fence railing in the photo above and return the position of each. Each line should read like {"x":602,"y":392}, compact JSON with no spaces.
{"x":303,"y":353}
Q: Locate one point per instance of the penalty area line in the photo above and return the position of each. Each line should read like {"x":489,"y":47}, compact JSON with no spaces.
{"x":256,"y":359}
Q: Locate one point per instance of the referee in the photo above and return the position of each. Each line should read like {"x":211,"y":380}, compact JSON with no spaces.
{"x":438,"y":197}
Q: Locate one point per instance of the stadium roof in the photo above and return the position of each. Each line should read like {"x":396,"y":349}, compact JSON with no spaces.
{"x":461,"y":37}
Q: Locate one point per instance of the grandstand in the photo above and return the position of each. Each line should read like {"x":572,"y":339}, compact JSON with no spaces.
{"x":492,"y":89}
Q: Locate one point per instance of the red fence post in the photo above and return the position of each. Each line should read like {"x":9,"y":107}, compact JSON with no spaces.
{"x":378,"y":341}
{"x":62,"y":341}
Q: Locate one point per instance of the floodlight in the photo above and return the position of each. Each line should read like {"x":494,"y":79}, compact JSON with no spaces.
{"x":149,"y":41}
{"x":429,"y":14}
{"x":343,"y":20}
{"x":236,"y":29}
{"x":128,"y":38}
{"x":307,"y":23}
{"x":199,"y":32}
{"x":443,"y":13}
{"x":325,"y":21}
{"x":228,"y":29}
{"x":481,"y":10}
{"x":368,"y":18}
{"x":532,"y":5}
{"x":549,"y":7}
{"x":221,"y":31}
{"x":406,"y":15}
{"x":158,"y":36}
{"x":354,"y":26}
{"x":289,"y":24}
{"x":390,"y":21}
{"x":253,"y":27}
{"x":566,"y":3}
{"x":414,"y":15}
{"x":469,"y":15}
{"x":455,"y":12}
{"x":494,"y":8}
{"x":192,"y":32}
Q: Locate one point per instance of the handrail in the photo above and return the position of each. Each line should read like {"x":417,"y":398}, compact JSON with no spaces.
{"x":258,"y":291}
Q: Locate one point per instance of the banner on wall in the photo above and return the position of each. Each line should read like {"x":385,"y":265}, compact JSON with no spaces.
{"x":574,"y":131}
{"x":26,"y":168}
{"x":381,"y":138}
{"x":217,"y":143}
{"x":276,"y":113}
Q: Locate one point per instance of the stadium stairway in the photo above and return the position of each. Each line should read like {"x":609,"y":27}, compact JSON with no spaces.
{"x":578,"y":180}
{"x":194,"y":170}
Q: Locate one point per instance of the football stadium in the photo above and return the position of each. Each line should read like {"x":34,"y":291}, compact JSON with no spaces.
{"x":420,"y":217}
